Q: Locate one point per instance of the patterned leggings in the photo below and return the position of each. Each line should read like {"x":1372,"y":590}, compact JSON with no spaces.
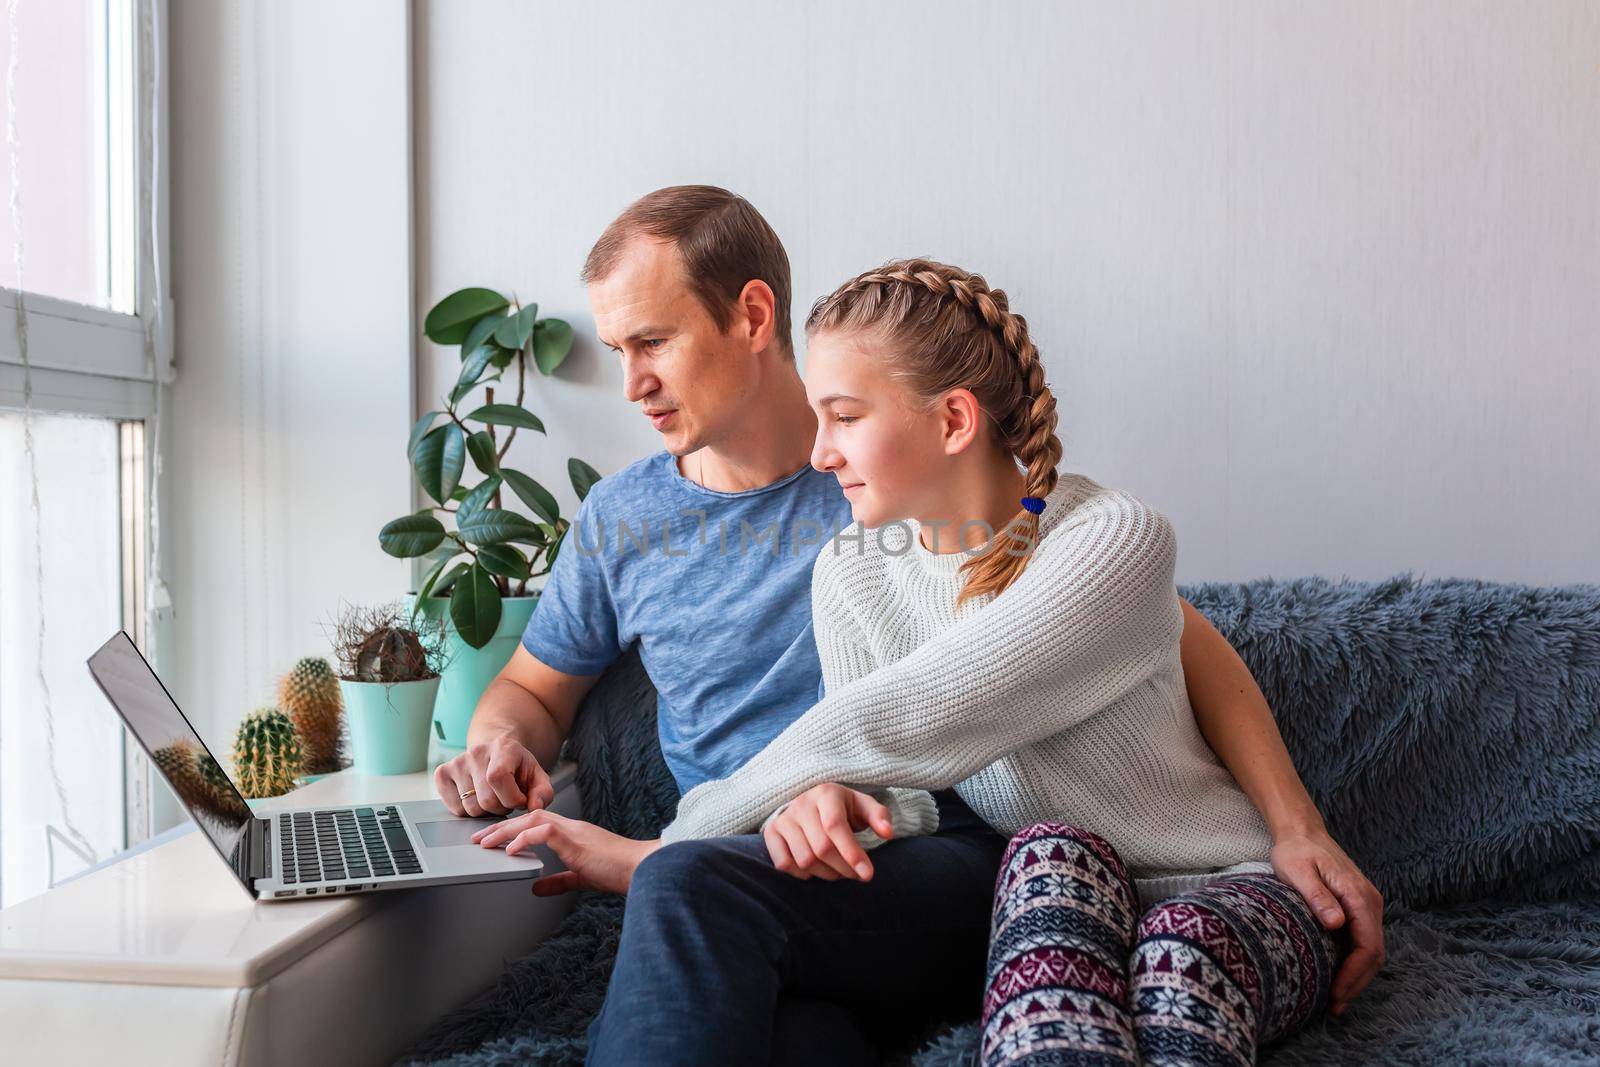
{"x":1077,"y":976}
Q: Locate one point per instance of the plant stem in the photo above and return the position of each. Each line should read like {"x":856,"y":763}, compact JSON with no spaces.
{"x":489,"y":394}
{"x":522,"y":386}
{"x":500,"y":583}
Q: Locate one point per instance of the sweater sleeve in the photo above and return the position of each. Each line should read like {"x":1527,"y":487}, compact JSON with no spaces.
{"x":845,"y":656}
{"x":1095,"y":609}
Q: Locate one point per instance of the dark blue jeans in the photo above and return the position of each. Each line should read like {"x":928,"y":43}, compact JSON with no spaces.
{"x":725,"y":959}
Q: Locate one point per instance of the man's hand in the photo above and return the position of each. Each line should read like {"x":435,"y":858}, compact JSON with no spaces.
{"x":500,"y":775}
{"x":814,"y":837}
{"x":595,"y":858}
{"x":1338,"y":892}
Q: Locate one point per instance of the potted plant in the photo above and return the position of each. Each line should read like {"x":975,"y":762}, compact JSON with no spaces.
{"x":388,"y":676}
{"x":478,"y":573}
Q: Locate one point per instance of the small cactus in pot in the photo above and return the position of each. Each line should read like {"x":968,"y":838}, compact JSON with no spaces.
{"x":266,"y":753}
{"x":391,"y":654}
{"x":309,"y":692}
{"x":389,"y":669}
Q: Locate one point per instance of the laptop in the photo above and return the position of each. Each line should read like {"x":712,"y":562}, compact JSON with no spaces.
{"x":303,"y":852}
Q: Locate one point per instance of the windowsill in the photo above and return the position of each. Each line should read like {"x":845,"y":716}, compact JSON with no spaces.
{"x":171,"y":833}
{"x":172,"y":914}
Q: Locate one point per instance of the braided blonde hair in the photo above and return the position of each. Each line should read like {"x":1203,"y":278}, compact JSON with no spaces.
{"x":943,"y":328}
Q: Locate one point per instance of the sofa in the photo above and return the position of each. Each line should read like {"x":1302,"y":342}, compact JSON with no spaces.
{"x":1449,"y":731}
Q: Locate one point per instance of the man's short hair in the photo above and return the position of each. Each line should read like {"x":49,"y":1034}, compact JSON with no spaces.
{"x":724,"y":242}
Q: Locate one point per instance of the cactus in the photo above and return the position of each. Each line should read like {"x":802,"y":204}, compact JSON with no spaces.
{"x":266,"y":753}
{"x":310,"y":694}
{"x":391,"y":654}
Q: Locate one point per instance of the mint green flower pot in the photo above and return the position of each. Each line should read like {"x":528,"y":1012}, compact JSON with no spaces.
{"x":470,"y":670}
{"x":389,"y":724}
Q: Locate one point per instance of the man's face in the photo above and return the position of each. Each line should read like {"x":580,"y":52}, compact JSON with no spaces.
{"x":691,"y":379}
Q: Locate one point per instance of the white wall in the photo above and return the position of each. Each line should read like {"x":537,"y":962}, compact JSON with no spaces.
{"x":1318,"y":280}
{"x":291,"y":258}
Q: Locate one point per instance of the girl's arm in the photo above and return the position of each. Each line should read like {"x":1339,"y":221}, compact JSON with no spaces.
{"x":845,"y":655}
{"x":1095,"y":612}
{"x":1234,"y":718}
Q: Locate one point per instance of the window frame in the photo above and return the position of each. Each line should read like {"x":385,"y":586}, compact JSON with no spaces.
{"x":92,"y":361}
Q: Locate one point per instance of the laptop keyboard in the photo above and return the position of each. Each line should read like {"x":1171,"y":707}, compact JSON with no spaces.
{"x":346,"y":843}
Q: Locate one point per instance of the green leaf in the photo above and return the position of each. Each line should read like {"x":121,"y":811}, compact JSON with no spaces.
{"x":503,"y":560}
{"x":475,"y":606}
{"x":533,"y":494}
{"x":493,"y":526}
{"x":471,"y":371}
{"x":481,"y":445}
{"x":552,"y":340}
{"x":442,"y":586}
{"x":513,"y":331}
{"x":555,"y":546}
{"x":426,"y":588}
{"x":451,"y":318}
{"x":440,"y":457}
{"x":411,"y":535}
{"x":418,"y":430}
{"x":479,"y":498}
{"x":583,"y":477}
{"x":481,"y":332}
{"x":507,"y":415}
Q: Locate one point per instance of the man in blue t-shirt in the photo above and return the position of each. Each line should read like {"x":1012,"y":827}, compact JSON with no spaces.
{"x":702,"y":556}
{"x":714,"y":585}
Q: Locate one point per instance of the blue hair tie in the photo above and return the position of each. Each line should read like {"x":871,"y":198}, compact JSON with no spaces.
{"x":1033,"y":503}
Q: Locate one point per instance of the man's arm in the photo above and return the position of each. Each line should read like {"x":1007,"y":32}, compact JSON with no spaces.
{"x":531,"y":702}
{"x":1234,"y":717}
{"x":514,"y":738}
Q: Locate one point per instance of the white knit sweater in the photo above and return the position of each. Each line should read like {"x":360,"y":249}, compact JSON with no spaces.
{"x":1061,"y":699}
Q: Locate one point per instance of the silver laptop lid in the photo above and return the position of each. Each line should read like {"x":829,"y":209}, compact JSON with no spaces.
{"x":199,"y":781}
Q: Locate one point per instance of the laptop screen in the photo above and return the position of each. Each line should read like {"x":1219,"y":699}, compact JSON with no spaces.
{"x":153,"y":717}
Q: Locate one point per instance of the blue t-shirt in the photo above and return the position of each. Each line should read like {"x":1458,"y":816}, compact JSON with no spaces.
{"x":717,"y":589}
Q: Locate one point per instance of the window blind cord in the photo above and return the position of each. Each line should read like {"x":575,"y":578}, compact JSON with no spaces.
{"x":258,"y":66}
{"x":157,"y":597}
{"x":239,"y":350}
{"x":13,"y":144}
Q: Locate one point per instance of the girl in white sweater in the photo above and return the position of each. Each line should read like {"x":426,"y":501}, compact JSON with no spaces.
{"x":1037,"y":671}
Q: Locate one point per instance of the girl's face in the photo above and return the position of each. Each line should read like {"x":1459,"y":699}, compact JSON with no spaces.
{"x":889,"y":456}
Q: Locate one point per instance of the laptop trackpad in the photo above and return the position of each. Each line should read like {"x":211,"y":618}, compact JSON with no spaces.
{"x":445,"y":832}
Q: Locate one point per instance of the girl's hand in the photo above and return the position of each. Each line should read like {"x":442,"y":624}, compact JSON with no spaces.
{"x":595,"y":858}
{"x":1338,"y":893}
{"x":815,"y":835}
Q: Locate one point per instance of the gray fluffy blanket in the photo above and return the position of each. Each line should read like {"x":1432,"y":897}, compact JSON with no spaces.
{"x":1449,"y":731}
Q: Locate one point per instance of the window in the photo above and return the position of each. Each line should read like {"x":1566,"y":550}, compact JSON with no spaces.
{"x":74,"y":90}
{"x":82,"y":230}
{"x":84,"y":353}
{"x":61,"y":749}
